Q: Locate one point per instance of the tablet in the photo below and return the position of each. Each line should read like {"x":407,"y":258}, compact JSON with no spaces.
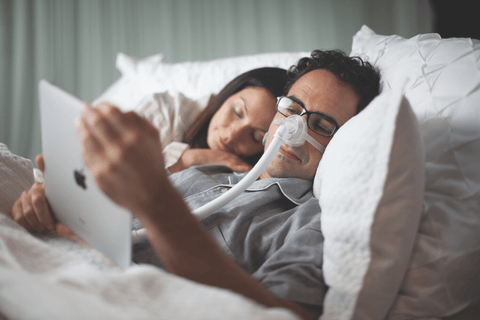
{"x":74,"y":197}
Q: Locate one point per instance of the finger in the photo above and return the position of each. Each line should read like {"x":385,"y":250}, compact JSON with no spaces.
{"x":112,"y":114}
{"x":30,"y":218}
{"x":127,"y":125}
{"x":103,"y":122}
{"x":30,"y":214}
{"x":40,"y":162}
{"x":17,"y":213}
{"x":135,"y":121}
{"x":109,"y":110}
{"x":41,"y":207}
{"x":63,"y":230}
{"x":90,"y":148}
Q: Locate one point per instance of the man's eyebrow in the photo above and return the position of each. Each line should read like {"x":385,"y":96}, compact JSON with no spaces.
{"x":300,"y":102}
{"x":297,"y":100}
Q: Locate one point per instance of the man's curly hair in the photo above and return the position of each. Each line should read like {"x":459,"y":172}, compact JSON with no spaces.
{"x":361,"y":75}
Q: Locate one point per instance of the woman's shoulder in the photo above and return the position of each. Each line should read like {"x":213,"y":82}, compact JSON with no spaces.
{"x":171,"y":104}
{"x":171,"y":113}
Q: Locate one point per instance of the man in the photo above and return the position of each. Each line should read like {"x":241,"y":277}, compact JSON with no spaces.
{"x":265,"y":244}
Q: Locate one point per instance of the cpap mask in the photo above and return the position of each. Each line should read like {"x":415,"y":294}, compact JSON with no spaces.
{"x":291,"y":130}
{"x":298,"y":131}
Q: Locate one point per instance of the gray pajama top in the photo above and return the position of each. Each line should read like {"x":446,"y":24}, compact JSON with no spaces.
{"x":272,"y":230}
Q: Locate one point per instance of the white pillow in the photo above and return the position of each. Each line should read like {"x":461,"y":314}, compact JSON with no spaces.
{"x":195,"y":79}
{"x":370,"y":185}
{"x":443,"y":275}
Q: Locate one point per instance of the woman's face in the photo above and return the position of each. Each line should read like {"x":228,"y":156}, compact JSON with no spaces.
{"x":241,"y":122}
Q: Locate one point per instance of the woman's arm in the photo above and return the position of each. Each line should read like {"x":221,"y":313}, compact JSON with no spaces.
{"x":123,"y":154}
{"x":192,"y":157}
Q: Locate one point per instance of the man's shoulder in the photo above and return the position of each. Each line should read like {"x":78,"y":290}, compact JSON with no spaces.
{"x":208,"y":170}
{"x":204,"y":175}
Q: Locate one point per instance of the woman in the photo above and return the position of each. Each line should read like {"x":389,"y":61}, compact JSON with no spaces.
{"x":230,"y":129}
{"x":228,"y":132}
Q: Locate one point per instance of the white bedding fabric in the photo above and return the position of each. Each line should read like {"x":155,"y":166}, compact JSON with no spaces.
{"x":195,"y":79}
{"x":53,"y":277}
{"x":172,"y":114}
{"x":370,"y":188}
{"x":40,"y":279}
{"x":442,"y":277}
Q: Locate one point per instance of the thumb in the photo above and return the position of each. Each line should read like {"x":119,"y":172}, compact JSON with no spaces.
{"x":40,"y":162}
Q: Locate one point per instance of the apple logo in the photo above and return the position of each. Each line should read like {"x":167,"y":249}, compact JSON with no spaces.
{"x":80,"y":178}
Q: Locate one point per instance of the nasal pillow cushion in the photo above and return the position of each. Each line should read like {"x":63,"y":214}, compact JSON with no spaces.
{"x":370,"y":188}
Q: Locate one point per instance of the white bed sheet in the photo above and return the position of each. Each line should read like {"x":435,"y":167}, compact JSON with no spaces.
{"x":54,"y":277}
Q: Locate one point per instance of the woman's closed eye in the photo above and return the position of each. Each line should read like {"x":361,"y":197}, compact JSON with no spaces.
{"x":239,"y":109}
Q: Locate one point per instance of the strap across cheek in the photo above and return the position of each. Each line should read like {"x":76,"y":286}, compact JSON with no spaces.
{"x":315,"y":143}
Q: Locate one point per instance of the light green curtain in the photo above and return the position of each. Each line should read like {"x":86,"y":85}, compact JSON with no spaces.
{"x":74,"y":43}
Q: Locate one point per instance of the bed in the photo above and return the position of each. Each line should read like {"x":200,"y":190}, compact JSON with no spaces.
{"x":399,"y":188}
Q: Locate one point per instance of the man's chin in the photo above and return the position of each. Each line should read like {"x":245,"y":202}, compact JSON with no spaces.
{"x":280,"y":169}
{"x":283,"y":167}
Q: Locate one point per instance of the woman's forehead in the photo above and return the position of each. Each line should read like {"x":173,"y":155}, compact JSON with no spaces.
{"x":257,"y":99}
{"x":255,"y":93}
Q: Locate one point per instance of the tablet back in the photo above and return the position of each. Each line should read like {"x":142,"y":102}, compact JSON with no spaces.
{"x":73,"y":195}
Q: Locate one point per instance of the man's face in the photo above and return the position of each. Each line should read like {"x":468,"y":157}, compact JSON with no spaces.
{"x":319,"y":91}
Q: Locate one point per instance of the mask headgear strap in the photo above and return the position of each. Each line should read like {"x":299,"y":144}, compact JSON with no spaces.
{"x":305,"y":135}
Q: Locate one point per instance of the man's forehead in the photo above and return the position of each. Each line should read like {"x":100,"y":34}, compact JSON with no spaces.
{"x":321,"y":91}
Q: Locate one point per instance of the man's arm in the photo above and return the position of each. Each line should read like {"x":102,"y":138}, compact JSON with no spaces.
{"x":123,"y":153}
{"x":187,"y":250}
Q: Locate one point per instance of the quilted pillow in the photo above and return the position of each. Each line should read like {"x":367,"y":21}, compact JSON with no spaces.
{"x":370,"y":186}
{"x":441,"y":278}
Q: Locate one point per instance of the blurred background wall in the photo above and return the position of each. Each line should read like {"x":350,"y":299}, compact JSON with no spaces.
{"x":74,"y":43}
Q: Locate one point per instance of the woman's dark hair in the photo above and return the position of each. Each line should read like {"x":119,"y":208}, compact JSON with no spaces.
{"x":361,"y":75}
{"x":272,"y":79}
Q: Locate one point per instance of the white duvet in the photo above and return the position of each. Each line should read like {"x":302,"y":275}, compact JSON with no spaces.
{"x":53,"y":277}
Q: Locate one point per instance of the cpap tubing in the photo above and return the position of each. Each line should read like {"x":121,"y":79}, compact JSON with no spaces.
{"x":292,"y":131}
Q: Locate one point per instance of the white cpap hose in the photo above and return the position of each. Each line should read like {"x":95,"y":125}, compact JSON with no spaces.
{"x":292,"y":131}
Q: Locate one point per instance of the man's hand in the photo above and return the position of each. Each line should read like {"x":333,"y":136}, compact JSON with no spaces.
{"x":193,"y":157}
{"x":32,"y":211}
{"x":124,"y":155}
